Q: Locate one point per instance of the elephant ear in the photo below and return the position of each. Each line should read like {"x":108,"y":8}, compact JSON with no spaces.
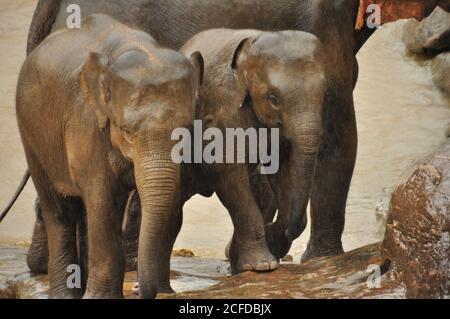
{"x":239,"y":57}
{"x":241,"y":52}
{"x":95,"y":82}
{"x":199,"y":67}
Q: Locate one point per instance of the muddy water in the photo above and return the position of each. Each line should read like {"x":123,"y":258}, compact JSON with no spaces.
{"x":401,"y":117}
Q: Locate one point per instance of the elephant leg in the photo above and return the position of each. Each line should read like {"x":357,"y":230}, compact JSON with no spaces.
{"x":166,"y":251}
{"x":248,"y":250}
{"x":37,"y":256}
{"x":60,"y":226}
{"x":106,"y":258}
{"x":62,"y":253}
{"x":130,"y":229}
{"x":333,"y":175}
{"x":83,"y":249}
{"x":265,"y":199}
{"x":264,"y":196}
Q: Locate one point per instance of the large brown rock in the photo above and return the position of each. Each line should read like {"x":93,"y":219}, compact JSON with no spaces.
{"x":417,"y":236}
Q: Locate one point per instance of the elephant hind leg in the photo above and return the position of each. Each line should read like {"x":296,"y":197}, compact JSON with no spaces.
{"x":37,"y":256}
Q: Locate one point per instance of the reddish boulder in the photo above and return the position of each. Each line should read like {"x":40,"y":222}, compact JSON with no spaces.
{"x":417,"y":236}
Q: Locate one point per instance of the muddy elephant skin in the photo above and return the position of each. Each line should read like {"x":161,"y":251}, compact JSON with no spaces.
{"x":93,"y":108}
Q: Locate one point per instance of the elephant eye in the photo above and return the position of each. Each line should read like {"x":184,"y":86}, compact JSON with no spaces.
{"x":125,"y":130}
{"x":274,"y":100}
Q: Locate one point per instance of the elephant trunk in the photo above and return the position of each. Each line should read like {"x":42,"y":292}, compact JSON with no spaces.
{"x":305,"y":147}
{"x":296,"y":183}
{"x":157,"y":177}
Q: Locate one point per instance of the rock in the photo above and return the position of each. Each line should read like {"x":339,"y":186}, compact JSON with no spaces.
{"x":431,"y":35}
{"x":417,"y":236}
{"x":409,"y":36}
{"x":343,"y":276}
{"x":287,"y":259}
{"x":441,"y":72}
{"x":434,"y":31}
{"x":186,"y":253}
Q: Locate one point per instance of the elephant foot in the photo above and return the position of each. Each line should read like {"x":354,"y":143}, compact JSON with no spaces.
{"x":37,"y":256}
{"x":317,"y":251}
{"x":277,"y":241}
{"x":251,"y":258}
{"x":163,"y":289}
{"x":66,"y":294}
{"x":166,"y":289}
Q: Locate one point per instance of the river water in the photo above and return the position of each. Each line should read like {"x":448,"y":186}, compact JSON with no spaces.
{"x":401,"y":118}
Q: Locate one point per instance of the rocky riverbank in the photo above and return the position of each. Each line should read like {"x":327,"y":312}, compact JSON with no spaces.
{"x":431,"y":39}
{"x":337,"y":277}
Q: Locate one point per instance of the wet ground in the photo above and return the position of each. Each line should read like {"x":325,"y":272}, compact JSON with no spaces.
{"x":401,"y":118}
{"x":344,"y":276}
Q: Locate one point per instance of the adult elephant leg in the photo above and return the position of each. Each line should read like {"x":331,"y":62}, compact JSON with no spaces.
{"x":106,"y":258}
{"x":334,"y":172}
{"x":248,"y":249}
{"x":37,"y":256}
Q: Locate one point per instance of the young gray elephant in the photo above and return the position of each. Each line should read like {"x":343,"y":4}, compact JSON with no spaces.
{"x":274,"y":79}
{"x":96,"y":108}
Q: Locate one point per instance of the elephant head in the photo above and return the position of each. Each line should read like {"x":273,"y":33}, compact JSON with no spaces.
{"x":284,"y":80}
{"x":138,"y":99}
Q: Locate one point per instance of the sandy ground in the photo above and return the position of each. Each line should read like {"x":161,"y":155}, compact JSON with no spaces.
{"x":401,"y":117}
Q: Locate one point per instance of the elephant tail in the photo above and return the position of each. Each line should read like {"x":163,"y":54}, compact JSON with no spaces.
{"x":42,"y":23}
{"x":13,"y":200}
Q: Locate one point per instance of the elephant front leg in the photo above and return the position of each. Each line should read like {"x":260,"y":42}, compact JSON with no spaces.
{"x":248,"y":250}
{"x":334,"y":172}
{"x":106,"y":257}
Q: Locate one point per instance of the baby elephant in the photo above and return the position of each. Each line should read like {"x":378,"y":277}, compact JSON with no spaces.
{"x":96,"y":107}
{"x":276,"y":80}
